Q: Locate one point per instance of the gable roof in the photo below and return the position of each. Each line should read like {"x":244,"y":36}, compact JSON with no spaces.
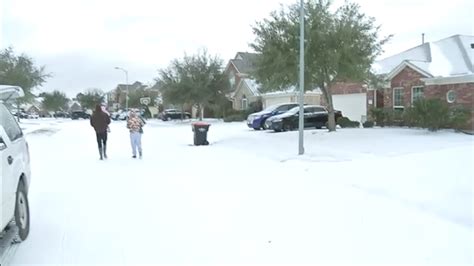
{"x":251,"y":84}
{"x":452,"y":56}
{"x":418,"y":66}
{"x":243,"y":62}
{"x":136,"y":85}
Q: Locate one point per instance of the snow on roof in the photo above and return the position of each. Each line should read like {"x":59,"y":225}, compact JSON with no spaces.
{"x":253,"y":86}
{"x":419,"y":53}
{"x":293,"y":90}
{"x":451,"y":56}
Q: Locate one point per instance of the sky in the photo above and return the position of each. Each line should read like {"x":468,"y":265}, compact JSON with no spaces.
{"x":80,"y":42}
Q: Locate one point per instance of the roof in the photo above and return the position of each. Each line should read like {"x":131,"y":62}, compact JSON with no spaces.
{"x":292,"y":90}
{"x":452,"y":56}
{"x":253,"y":86}
{"x":244,"y":62}
{"x":134,"y":86}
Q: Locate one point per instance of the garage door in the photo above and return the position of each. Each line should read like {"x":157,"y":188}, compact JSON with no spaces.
{"x":353,"y":106}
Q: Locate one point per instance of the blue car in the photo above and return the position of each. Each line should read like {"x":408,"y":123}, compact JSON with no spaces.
{"x":257,"y":120}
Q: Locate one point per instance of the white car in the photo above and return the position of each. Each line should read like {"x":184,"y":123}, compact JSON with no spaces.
{"x":33,"y":116}
{"x":15,"y":170}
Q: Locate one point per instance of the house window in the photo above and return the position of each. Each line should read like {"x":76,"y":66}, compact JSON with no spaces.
{"x":416,"y":94}
{"x":451,"y":96}
{"x":244,"y":102}
{"x":232,"y":79}
{"x":398,"y":98}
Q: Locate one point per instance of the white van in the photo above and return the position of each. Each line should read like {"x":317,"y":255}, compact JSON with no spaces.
{"x":14,"y":167}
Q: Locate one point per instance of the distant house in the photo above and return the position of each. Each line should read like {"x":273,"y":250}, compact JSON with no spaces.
{"x":74,"y":107}
{"x":242,"y":89}
{"x":246,"y":92}
{"x":35,"y":107}
{"x":117,"y":97}
{"x":245,"y":89}
{"x":32,"y":109}
{"x":442,"y":70}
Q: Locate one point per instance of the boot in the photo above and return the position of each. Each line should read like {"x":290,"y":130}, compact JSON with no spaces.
{"x":140,"y":154}
{"x":101,"y":153}
{"x":105,"y":151}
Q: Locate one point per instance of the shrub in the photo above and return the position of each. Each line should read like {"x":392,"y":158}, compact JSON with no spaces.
{"x":235,"y":117}
{"x":396,"y":118}
{"x":410,"y":118}
{"x":432,"y":114}
{"x":379,"y":116}
{"x":458,"y":117}
{"x":345,"y":122}
{"x":368,"y":124}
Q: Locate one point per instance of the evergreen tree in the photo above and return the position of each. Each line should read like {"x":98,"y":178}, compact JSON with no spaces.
{"x":339,"y":46}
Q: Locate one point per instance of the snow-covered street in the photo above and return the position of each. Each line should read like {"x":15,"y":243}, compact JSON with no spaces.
{"x":357,"y":196}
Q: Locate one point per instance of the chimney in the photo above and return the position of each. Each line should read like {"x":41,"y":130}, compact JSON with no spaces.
{"x":422,"y":38}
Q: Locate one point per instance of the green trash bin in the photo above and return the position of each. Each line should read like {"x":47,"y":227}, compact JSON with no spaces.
{"x":200,"y":130}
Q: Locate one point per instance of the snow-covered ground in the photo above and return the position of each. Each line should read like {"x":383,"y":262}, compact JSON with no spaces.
{"x":357,"y":196}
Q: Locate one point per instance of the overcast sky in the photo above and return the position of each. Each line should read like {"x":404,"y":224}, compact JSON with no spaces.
{"x":81,"y":41}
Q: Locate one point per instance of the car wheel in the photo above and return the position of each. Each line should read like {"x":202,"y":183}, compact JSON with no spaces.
{"x":22,"y":212}
{"x":288,"y":127}
{"x":168,"y":118}
{"x":188,"y":117}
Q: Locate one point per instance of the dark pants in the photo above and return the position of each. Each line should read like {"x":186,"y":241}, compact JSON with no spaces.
{"x":101,"y":139}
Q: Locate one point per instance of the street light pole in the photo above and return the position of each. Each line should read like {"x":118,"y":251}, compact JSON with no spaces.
{"x":126,"y":84}
{"x":301,"y":98}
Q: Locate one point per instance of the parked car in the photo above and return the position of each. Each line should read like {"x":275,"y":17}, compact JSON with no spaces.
{"x":15,"y":170}
{"x":21,"y":114}
{"x":257,"y":120}
{"x":80,"y":115}
{"x":170,"y":114}
{"x":122,"y":116}
{"x":33,"y":116}
{"x":61,"y":115}
{"x":314,"y":116}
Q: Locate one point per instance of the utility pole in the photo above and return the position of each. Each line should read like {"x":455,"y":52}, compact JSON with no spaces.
{"x":301,"y":98}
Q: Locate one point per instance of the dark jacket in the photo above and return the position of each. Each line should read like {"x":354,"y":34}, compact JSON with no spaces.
{"x":100,"y":121}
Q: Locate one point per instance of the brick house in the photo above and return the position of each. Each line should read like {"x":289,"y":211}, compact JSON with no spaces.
{"x":242,"y":88}
{"x":245,"y":90}
{"x":442,"y":69}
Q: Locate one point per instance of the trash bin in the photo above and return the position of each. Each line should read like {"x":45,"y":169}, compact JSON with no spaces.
{"x":200,"y":133}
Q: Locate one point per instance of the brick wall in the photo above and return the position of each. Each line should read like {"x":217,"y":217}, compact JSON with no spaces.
{"x":409,"y":78}
{"x":406,"y":79}
{"x":464,"y":96}
{"x":347,"y":88}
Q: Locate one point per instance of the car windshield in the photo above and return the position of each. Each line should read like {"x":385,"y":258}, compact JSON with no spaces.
{"x":293,"y":110}
{"x":271,"y":108}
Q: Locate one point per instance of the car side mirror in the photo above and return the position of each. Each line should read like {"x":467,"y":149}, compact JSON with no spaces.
{"x":3,"y":146}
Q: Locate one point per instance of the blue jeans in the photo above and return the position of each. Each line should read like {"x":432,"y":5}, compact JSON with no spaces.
{"x":136,"y":140}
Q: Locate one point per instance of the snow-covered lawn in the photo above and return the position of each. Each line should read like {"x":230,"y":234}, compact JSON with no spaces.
{"x":357,"y":196}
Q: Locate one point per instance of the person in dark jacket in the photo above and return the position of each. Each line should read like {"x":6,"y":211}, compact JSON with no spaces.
{"x":100,"y":121}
